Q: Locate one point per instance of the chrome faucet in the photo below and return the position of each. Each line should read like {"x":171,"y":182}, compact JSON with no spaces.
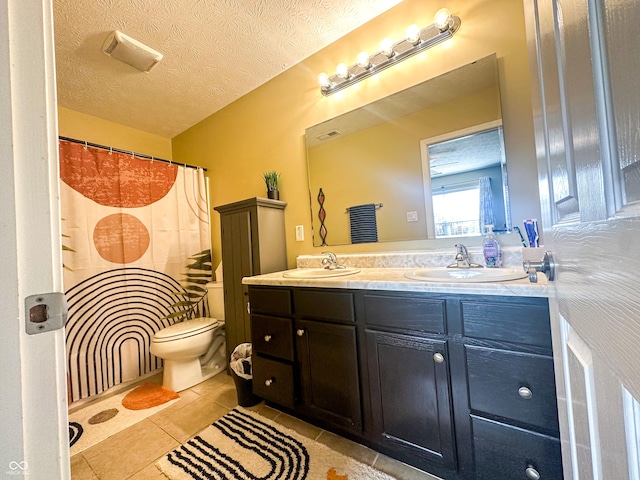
{"x":462,"y":258}
{"x":331,"y":262}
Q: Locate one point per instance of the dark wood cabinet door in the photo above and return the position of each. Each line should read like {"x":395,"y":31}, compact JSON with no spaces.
{"x":237,"y":263}
{"x":410,"y":397}
{"x":329,"y":379}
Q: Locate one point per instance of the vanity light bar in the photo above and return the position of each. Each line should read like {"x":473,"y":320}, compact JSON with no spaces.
{"x":444,"y":27}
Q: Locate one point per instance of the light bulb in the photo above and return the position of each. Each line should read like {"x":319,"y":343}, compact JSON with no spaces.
{"x":413,"y":34}
{"x":441,"y":19}
{"x":342,"y":71}
{"x":363,"y":60}
{"x":386,"y":47}
{"x":323,"y":80}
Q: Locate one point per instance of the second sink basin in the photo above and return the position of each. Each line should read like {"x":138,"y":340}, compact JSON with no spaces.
{"x":466,"y":275}
{"x":312,"y":273}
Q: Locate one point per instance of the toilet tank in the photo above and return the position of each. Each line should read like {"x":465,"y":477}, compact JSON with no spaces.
{"x":215,"y":297}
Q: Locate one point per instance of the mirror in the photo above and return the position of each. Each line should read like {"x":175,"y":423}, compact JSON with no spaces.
{"x":370,"y":172}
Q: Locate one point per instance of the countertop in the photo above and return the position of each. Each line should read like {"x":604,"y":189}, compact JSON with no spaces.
{"x":393,"y":279}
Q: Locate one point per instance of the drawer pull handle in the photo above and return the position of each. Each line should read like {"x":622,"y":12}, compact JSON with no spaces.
{"x":525,"y":393}
{"x":438,"y":357}
{"x":532,"y":473}
{"x":300,"y":332}
{"x":269,"y":381}
{"x":267,"y":338}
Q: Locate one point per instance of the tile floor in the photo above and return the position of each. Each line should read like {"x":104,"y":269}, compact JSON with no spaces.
{"x":131,"y":454}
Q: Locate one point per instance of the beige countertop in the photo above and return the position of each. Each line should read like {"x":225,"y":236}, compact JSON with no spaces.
{"x":393,"y":279}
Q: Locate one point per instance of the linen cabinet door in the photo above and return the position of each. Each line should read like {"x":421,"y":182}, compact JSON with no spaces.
{"x":411,"y":397}
{"x":330,"y":382}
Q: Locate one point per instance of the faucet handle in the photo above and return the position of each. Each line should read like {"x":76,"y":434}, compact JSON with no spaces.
{"x":332,"y":256}
{"x":461,"y":249}
{"x":331,"y":261}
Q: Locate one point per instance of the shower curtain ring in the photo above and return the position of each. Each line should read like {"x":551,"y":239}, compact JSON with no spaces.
{"x":85,"y":145}
{"x":110,"y":150}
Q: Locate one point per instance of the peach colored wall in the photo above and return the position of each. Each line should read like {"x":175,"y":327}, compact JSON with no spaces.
{"x":81,"y":126}
{"x":264,"y":130}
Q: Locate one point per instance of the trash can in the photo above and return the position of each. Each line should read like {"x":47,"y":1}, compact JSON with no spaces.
{"x":240,"y":364}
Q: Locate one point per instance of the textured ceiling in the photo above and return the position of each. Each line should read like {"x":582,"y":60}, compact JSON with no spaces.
{"x":215,"y":51}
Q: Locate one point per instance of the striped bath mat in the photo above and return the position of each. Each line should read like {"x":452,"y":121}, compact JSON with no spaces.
{"x":243,"y":445}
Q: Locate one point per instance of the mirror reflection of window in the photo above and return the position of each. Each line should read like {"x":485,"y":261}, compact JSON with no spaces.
{"x":466,"y":169}
{"x":456,"y":210}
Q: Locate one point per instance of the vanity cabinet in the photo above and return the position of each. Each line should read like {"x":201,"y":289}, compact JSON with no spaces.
{"x":512,"y":396}
{"x":272,"y":345}
{"x":253,"y":243}
{"x":319,"y":377}
{"x":461,"y":386}
{"x":409,"y":382}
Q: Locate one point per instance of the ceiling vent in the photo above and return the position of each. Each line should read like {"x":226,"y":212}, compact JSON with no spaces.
{"x":130,"y":51}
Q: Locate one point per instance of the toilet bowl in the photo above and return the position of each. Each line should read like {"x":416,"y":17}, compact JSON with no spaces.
{"x":193,"y":350}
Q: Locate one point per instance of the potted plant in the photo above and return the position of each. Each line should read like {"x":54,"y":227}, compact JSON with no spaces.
{"x":272,"y":179}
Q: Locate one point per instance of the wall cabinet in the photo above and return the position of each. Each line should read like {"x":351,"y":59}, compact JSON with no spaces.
{"x":461,"y":386}
{"x":253,"y":243}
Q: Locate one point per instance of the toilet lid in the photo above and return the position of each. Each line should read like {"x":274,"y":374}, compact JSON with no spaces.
{"x":186,"y":328}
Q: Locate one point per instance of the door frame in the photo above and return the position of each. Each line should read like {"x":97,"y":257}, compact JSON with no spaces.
{"x":33,"y":405}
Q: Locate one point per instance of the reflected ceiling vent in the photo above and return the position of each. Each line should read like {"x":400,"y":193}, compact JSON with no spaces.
{"x":328,"y":135}
{"x":130,"y":51}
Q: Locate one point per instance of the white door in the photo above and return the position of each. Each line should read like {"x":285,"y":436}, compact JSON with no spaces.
{"x":585,"y":62}
{"x":33,"y":412}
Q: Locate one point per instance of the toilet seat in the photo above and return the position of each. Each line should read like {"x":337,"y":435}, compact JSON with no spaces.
{"x":186,"y":329}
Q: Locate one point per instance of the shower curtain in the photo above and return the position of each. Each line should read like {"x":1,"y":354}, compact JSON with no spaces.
{"x":132,"y":229}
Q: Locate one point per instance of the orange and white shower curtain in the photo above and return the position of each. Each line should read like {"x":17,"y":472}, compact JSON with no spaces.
{"x":130,"y":226}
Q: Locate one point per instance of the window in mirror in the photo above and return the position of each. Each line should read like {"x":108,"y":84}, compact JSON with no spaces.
{"x":456,"y":210}
{"x":466,"y":170}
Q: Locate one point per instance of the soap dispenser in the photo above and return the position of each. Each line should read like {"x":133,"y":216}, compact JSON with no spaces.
{"x":491,"y":249}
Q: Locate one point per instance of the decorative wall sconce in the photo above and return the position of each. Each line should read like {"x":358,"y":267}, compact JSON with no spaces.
{"x":444,"y":27}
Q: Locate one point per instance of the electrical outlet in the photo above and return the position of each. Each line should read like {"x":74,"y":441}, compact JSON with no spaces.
{"x":412,"y":216}
{"x":299,"y":233}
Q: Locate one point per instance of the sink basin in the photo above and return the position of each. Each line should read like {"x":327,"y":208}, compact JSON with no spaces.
{"x":311,"y":273}
{"x":464,"y":275}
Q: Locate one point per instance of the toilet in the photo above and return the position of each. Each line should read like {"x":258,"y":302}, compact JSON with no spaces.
{"x":193,"y":350}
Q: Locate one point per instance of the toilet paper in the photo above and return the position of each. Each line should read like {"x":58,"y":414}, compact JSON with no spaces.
{"x":219,"y":273}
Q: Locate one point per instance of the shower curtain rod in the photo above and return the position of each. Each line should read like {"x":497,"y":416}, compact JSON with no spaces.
{"x":139,"y":155}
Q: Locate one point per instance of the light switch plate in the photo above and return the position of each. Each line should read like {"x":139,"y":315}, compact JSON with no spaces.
{"x":45,"y":312}
{"x":299,"y":233}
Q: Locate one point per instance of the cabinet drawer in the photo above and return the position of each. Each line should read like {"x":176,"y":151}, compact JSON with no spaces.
{"x":273,"y":380}
{"x":272,"y":336}
{"x":325,"y":305}
{"x":271,"y":301}
{"x":520,"y":321}
{"x":503,"y":452}
{"x":500,"y":382}
{"x":407,"y":313}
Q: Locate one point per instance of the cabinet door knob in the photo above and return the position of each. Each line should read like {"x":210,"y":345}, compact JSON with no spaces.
{"x":300,"y":332}
{"x":267,"y":338}
{"x":269,"y":381}
{"x":532,"y":473}
{"x":525,"y":393}
{"x":438,"y":357}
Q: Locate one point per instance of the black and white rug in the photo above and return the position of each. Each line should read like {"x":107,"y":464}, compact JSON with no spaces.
{"x":243,"y":445}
